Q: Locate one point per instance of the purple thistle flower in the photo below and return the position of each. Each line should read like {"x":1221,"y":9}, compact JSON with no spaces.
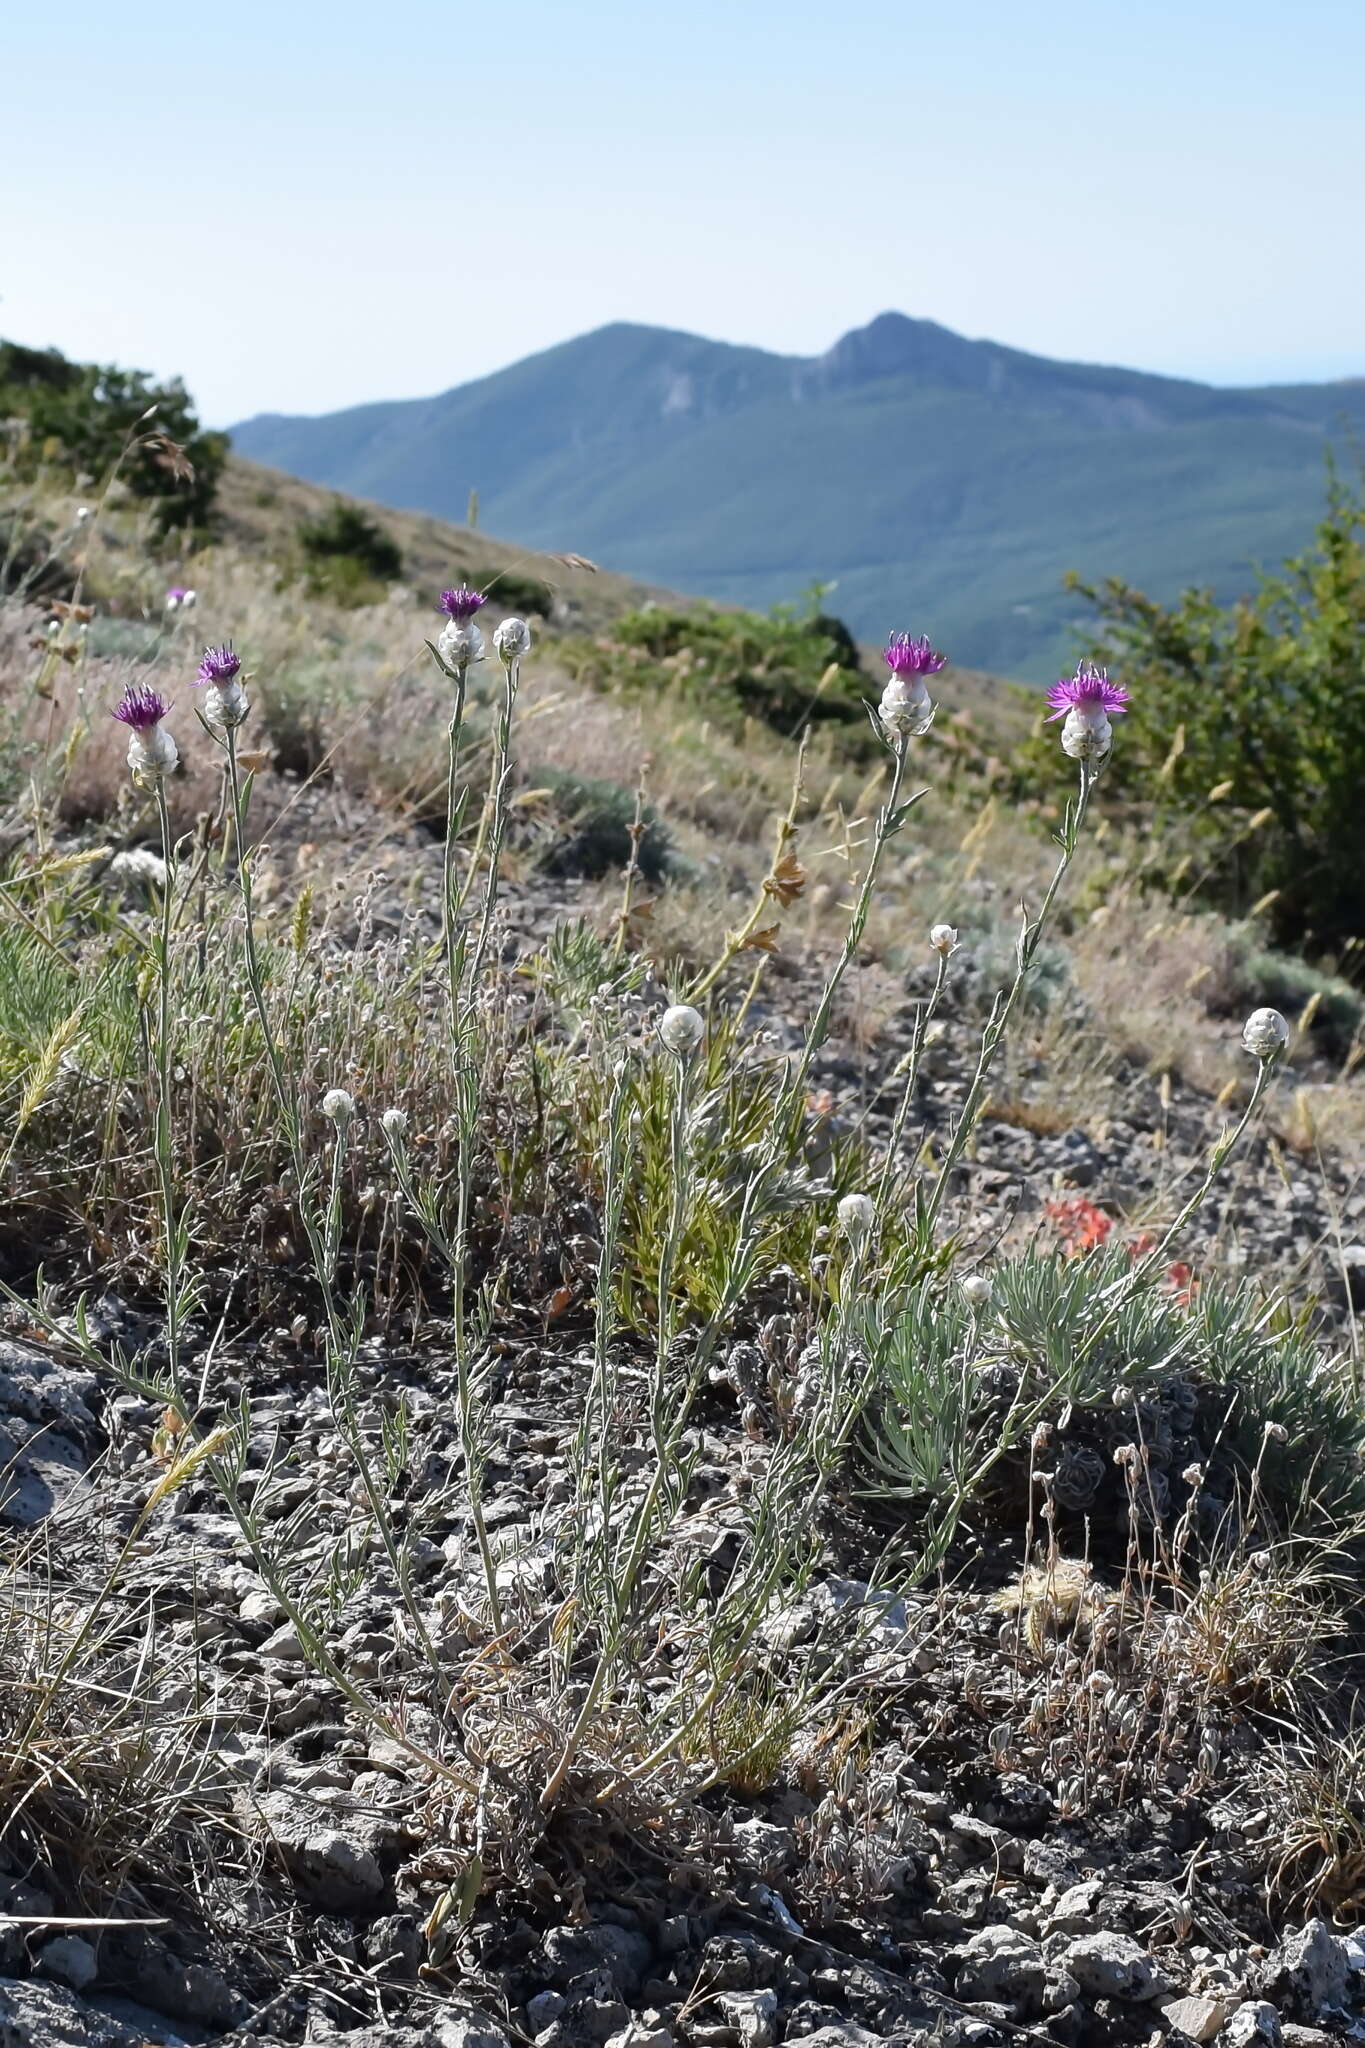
{"x":462,"y":603}
{"x":176,"y":592}
{"x":913,"y":657}
{"x":219,"y":666}
{"x":1088,"y":690}
{"x":140,"y":708}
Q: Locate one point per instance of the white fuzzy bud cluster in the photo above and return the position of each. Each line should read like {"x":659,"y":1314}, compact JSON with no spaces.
{"x":337,"y":1106}
{"x":181,"y":600}
{"x":682,"y":1029}
{"x":906,"y":708}
{"x":394,"y":1124}
{"x":943,"y":938}
{"x":1265,"y":1034}
{"x":976,"y":1289}
{"x":512,"y":640}
{"x":1087,"y":735}
{"x":226,"y":704}
{"x":460,"y":643}
{"x":856,"y":1218}
{"x":152,"y":754}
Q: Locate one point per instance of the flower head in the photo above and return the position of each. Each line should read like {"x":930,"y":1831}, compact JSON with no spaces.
{"x":394,"y":1124}
{"x":219,"y":665}
{"x":857,"y":1216}
{"x":337,"y":1106}
{"x":943,"y":938}
{"x":140,"y":708}
{"x":512,"y":640}
{"x":976,"y":1289}
{"x":913,"y":657}
{"x":1090,"y":692}
{"x":1265,"y":1034}
{"x":461,"y":603}
{"x":682,"y":1029}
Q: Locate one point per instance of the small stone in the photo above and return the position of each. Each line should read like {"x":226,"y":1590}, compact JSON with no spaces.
{"x":1253,"y":2025}
{"x":1308,"y":1973}
{"x":1200,"y":2018}
{"x":284,"y":1644}
{"x":69,"y":1959}
{"x":543,"y":2010}
{"x":261,"y":1606}
{"x":466,"y":2027}
{"x":1112,"y":1966}
{"x":1001,"y":1966}
{"x":753,"y":2016}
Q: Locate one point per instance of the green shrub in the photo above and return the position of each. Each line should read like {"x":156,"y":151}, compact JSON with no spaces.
{"x":589,"y":833}
{"x":94,"y":413}
{"x":350,"y":557}
{"x":734,"y":664}
{"x":1227,"y":1384}
{"x":526,"y":595}
{"x":1247,"y":726}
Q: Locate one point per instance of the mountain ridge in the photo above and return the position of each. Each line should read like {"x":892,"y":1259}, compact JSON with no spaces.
{"x":922,"y":470}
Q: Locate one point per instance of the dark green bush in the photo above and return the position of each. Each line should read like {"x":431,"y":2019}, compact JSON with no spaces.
{"x":733,"y":664}
{"x":589,"y":830}
{"x":348,"y":553}
{"x":94,"y":413}
{"x":1262,"y":702}
{"x":511,"y":592}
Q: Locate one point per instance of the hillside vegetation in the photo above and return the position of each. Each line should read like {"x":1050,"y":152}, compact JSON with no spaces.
{"x":924,"y":473}
{"x":673,"y":1373}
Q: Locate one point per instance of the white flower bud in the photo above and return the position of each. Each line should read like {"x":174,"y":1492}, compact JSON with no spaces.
{"x":856,"y":1218}
{"x":976,"y":1289}
{"x":189,"y":599}
{"x":681,"y":1029}
{"x":83,"y":515}
{"x":906,"y":706}
{"x":394,"y":1123}
{"x":512,"y":640}
{"x":1087,"y":735}
{"x":225,"y":704}
{"x":460,"y":643}
{"x":337,"y":1106}
{"x":151,"y":754}
{"x":1265,"y":1034}
{"x":943,"y":938}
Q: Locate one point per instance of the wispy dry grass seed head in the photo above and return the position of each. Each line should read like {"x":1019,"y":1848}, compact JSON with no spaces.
{"x":681,"y":1028}
{"x":1265,"y":1034}
{"x":152,"y":752}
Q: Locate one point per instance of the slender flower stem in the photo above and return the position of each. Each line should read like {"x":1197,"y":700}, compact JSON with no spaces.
{"x":173,"y":1232}
{"x":923,"y":1019}
{"x":998,"y":1023}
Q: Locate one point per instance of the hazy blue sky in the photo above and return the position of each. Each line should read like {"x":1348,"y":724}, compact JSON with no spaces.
{"x":301,"y":207}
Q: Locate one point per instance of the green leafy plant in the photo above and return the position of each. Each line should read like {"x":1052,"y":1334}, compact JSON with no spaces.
{"x":1247,"y":729}
{"x":785,"y":668}
{"x":349,"y":556}
{"x":96,"y":416}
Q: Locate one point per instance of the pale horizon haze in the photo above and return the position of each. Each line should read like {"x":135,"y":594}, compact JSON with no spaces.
{"x":298,"y":209}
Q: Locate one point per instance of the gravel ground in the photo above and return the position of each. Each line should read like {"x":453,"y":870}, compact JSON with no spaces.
{"x":942,"y":1892}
